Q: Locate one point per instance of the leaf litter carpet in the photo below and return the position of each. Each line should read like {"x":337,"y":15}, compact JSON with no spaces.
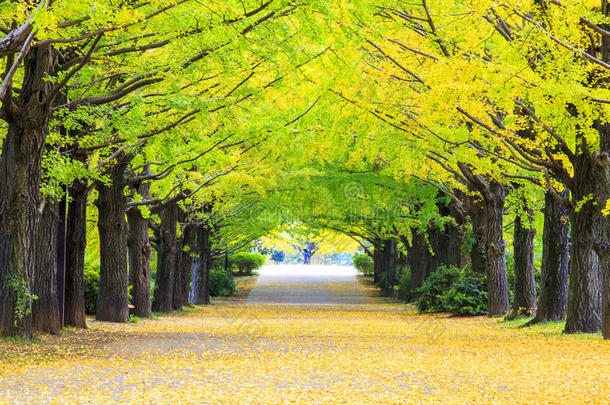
{"x":331,"y":343}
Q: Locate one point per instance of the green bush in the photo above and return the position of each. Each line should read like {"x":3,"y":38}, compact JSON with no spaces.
{"x":242,"y":264}
{"x":92,"y":283}
{"x":364,"y":263}
{"x":403,"y":288}
{"x":467,"y":296}
{"x":222,"y":283}
{"x":428,"y":297}
{"x":450,"y":290}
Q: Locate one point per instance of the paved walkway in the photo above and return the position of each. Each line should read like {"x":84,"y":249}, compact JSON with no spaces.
{"x":314,"y":285}
{"x":308,"y":335}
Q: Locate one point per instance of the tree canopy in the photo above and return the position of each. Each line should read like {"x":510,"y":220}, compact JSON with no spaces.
{"x":417,"y":131}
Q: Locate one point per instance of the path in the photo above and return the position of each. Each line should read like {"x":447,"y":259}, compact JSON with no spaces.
{"x":308,"y":285}
{"x":310,"y":335}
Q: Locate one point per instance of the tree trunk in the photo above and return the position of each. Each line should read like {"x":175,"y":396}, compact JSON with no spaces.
{"x":377,"y":263}
{"x":524,"y":287}
{"x":584,"y":299}
{"x":166,"y":259}
{"x":603,"y":250}
{"x":45,"y":309}
{"x":306,"y":256}
{"x":478,"y":219}
{"x":418,"y":256}
{"x":20,"y":172}
{"x":178,"y":276}
{"x":553,"y":300}
{"x":457,"y":210}
{"x":433,"y":248}
{"x":140,"y":251}
{"x":446,"y":246}
{"x":112,"y":300}
{"x":602,"y":242}
{"x":447,"y":241}
{"x":76,"y":243}
{"x":189,"y":234}
{"x":390,"y":256}
{"x":602,"y":160}
{"x":497,"y":283}
{"x":200,"y":292}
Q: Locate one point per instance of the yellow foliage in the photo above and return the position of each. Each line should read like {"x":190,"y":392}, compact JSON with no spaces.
{"x":606,"y":210}
{"x":384,"y":354}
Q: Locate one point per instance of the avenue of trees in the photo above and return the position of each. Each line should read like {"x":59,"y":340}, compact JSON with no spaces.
{"x":430,"y":133}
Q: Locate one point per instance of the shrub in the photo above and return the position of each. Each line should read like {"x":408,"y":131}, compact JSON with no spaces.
{"x":222,"y":283}
{"x":428,"y":297}
{"x":467,"y":296}
{"x":364,"y":263}
{"x":259,"y":260}
{"x":92,"y":283}
{"x":246,"y":263}
{"x":403,"y":288}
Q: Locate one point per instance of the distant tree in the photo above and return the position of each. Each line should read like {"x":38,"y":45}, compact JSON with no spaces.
{"x":278,"y":256}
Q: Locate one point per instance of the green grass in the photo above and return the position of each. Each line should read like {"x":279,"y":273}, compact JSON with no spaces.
{"x":156,"y":315}
{"x":518,"y":322}
{"x":190,"y":309}
{"x":19,"y":339}
{"x":586,"y":336}
{"x":134,"y":319}
{"x":548,"y":328}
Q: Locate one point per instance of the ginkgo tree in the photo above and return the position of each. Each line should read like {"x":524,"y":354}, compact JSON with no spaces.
{"x":307,"y":242}
{"x":495,"y":95}
{"x":45,"y":49}
{"x":74,"y":58}
{"x":409,"y":128}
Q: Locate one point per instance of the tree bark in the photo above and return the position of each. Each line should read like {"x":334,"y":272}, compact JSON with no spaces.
{"x":166,"y":259}
{"x":20,"y":173}
{"x":140,"y":252}
{"x":478,"y":219}
{"x":420,"y":260}
{"x":602,"y":241}
{"x":584,"y":298}
{"x":390,"y":256}
{"x":602,"y":160}
{"x":112,"y":300}
{"x":497,"y":283}
{"x":45,"y":309}
{"x":446,"y":242}
{"x":603,"y":250}
{"x":553,"y":300}
{"x":178,"y":276}
{"x":200,"y":292}
{"x":76,"y":243}
{"x":446,"y":246}
{"x":377,"y":262}
{"x":418,"y":256}
{"x":185,"y":255}
{"x":306,"y":256}
{"x":524,"y":287}
{"x":602,"y":247}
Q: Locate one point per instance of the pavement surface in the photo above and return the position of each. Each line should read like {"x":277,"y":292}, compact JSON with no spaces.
{"x":313,"y":285}
{"x":307,"y":335}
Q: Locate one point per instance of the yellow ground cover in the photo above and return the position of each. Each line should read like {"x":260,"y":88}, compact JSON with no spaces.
{"x":379,"y":353}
